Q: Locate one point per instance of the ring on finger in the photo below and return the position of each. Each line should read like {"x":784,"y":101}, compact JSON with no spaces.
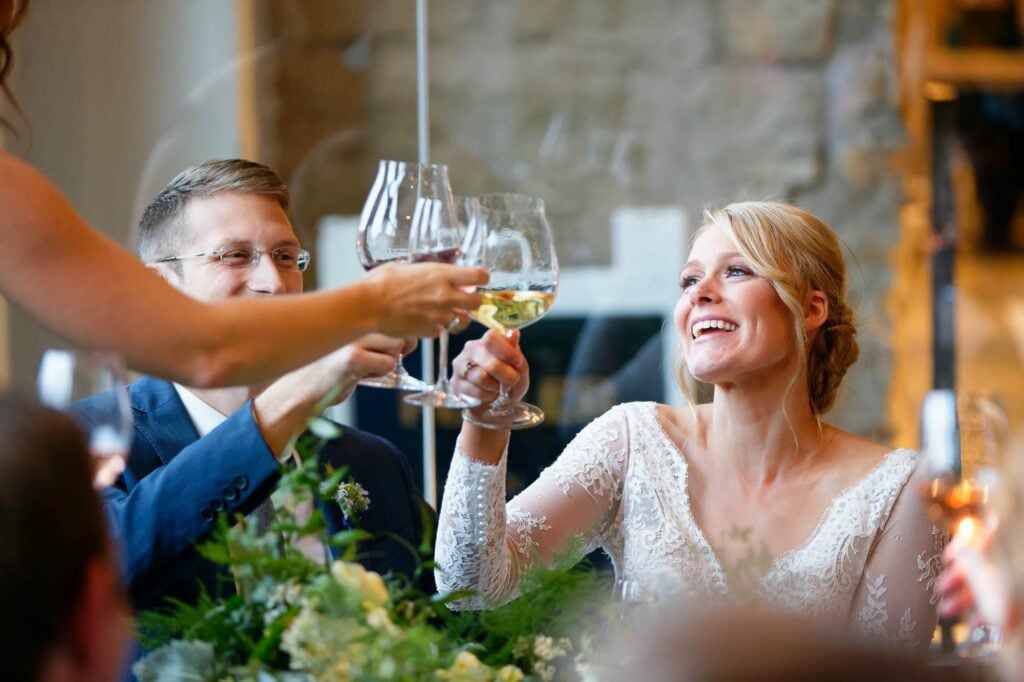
{"x":467,"y":369}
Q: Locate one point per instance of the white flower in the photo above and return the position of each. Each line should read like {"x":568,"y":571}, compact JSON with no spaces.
{"x":353,"y":499}
{"x":322,"y":644}
{"x":547,"y":649}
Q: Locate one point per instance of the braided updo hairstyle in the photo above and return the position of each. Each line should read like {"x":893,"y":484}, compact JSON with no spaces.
{"x":798,"y":254}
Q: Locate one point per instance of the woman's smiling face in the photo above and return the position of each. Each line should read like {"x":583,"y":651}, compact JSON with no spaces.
{"x":732,"y":321}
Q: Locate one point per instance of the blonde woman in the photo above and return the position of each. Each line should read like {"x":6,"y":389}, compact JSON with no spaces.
{"x":749,"y":497}
{"x":73,"y":280}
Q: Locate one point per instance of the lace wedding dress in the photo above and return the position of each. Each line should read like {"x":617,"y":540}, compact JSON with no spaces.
{"x":622,"y":485}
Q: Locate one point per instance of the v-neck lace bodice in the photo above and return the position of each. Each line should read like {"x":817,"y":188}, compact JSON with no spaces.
{"x":622,"y":484}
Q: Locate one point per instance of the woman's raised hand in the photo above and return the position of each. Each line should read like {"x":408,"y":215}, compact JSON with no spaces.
{"x":418,"y":299}
{"x":487,"y":363}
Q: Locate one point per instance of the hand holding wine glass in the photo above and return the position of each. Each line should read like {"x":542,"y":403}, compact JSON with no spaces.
{"x":66,"y":376}
{"x":518,"y":251}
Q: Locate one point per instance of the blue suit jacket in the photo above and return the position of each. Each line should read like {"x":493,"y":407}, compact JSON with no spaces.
{"x":176,"y":483}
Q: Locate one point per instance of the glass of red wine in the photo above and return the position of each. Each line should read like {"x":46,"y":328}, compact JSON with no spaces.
{"x":384,"y":229}
{"x":437,"y":236}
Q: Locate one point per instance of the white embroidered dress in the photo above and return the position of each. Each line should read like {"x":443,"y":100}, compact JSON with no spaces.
{"x":622,"y":485}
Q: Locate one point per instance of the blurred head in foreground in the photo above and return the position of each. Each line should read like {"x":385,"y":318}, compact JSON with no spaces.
{"x":741,"y":644}
{"x":64,"y":615}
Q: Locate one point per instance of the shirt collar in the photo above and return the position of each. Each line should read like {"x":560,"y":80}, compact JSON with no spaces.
{"x":204,"y":417}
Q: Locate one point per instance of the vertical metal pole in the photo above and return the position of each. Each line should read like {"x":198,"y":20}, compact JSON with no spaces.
{"x":427,"y":352}
{"x":943,"y":218}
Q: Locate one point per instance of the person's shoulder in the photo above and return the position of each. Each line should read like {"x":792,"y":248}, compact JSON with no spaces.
{"x":623,"y":413}
{"x":854,"y":446}
{"x":863,"y":456}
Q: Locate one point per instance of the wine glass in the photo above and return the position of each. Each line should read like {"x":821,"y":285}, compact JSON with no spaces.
{"x":519,"y":253}
{"x":436,"y":236}
{"x":963,"y":441}
{"x":66,"y":376}
{"x":384,"y":230}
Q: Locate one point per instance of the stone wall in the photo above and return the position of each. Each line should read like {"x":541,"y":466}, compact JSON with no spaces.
{"x":594,"y":104}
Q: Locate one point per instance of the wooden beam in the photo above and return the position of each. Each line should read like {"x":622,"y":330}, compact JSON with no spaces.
{"x":976,"y":67}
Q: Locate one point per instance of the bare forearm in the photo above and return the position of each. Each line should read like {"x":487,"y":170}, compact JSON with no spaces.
{"x":87,"y":288}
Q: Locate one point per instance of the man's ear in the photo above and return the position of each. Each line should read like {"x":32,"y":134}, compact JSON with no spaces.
{"x":167,"y":273}
{"x":816,"y":311}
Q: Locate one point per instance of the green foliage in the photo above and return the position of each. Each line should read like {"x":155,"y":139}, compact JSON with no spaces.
{"x":293,"y":618}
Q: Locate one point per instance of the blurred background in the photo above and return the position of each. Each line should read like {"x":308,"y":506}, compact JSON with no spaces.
{"x":898,"y":122}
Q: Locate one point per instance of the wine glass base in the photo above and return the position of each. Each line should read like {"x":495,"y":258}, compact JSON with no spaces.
{"x":439,"y":398}
{"x":513,"y":417}
{"x":395,"y":380}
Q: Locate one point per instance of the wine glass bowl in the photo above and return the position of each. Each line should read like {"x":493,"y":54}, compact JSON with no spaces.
{"x":385,"y":227}
{"x":519,"y":254}
{"x":437,"y":236}
{"x":65,"y":377}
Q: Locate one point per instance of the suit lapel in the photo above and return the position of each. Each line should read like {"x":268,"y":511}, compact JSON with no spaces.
{"x":160,"y":418}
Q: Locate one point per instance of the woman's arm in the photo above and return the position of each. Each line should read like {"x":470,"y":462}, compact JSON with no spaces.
{"x":87,"y":288}
{"x":487,"y":547}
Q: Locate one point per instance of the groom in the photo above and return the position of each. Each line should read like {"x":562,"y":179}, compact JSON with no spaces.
{"x":220,"y":230}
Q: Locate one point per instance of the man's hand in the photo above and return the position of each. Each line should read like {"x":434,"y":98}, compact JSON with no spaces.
{"x":372,"y":355}
{"x":284,"y":407}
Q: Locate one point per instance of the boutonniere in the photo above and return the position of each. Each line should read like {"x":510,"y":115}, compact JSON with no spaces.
{"x":353,"y":500}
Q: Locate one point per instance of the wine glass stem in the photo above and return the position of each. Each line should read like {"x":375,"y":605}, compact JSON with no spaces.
{"x":442,"y":358}
{"x":502,"y":401}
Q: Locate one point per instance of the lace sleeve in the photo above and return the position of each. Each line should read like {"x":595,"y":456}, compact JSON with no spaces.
{"x":484,"y":545}
{"x":896,"y":599}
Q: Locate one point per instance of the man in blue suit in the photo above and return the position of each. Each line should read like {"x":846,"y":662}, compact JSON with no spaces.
{"x":220,"y":230}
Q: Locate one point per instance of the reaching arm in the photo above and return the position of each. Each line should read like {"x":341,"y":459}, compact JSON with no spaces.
{"x":87,"y":288}
{"x":284,"y":408}
{"x":485,"y":546}
{"x":896,"y":597}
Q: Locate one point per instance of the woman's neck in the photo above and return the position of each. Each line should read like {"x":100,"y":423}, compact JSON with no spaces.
{"x":766,"y":431}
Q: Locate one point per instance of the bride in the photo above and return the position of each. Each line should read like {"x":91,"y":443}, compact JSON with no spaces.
{"x":749,"y":497}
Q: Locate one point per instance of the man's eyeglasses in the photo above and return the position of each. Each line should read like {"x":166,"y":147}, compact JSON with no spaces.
{"x":286,"y":258}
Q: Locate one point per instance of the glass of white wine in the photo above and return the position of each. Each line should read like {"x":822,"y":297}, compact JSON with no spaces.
{"x":67,"y":376}
{"x":519,"y":253}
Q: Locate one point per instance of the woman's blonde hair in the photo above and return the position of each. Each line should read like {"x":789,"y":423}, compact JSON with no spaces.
{"x":798,"y":254}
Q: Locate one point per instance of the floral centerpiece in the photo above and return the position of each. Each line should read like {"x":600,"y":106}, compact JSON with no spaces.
{"x":295,"y":619}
